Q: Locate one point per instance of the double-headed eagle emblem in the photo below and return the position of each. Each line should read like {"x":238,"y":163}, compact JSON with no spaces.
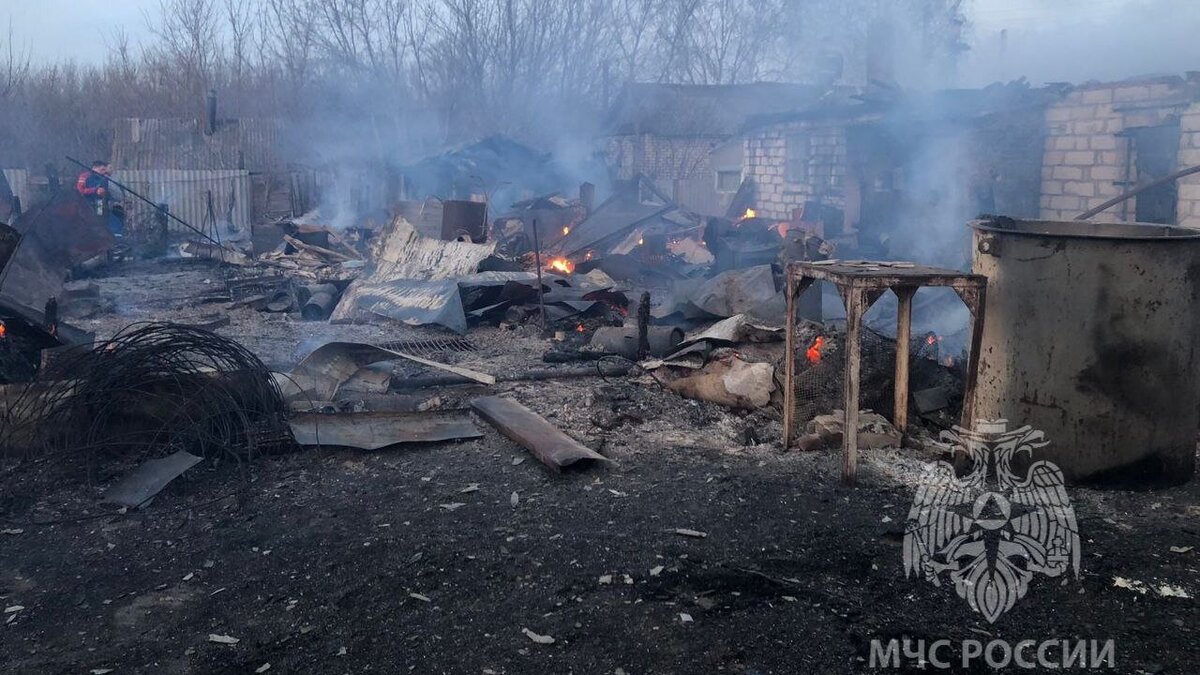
{"x":991,"y":530}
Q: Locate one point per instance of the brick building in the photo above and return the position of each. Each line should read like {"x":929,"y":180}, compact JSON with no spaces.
{"x":1103,"y":138}
{"x":892,"y":173}
{"x":685,"y":138}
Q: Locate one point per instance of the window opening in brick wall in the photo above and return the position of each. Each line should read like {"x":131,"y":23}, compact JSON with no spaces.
{"x":728,"y":180}
{"x":1155,"y":153}
{"x":797,"y":151}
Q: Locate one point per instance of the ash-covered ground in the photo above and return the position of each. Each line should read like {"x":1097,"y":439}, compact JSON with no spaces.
{"x":422,"y":560}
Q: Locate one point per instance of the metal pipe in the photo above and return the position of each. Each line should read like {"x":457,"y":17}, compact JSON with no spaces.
{"x":1136,"y":191}
{"x":168,"y":214}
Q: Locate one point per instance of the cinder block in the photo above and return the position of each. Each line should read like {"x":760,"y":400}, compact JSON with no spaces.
{"x":1079,"y":158}
{"x":1058,"y":113}
{"x":1103,"y":173}
{"x":1080,"y":188}
{"x":1133,"y":93}
{"x":1189,"y":191}
{"x":1052,"y":187}
{"x":1066,"y":203}
{"x":1102,"y":142}
{"x":1083,"y":112}
{"x":1189,"y":123}
{"x":1104,"y":95}
{"x":1089,"y":127}
{"x":1068,"y":173}
{"x":1107,"y":157}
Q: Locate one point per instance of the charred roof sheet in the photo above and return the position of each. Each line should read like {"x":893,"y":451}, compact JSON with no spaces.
{"x":702,"y":110}
{"x":177,"y":143}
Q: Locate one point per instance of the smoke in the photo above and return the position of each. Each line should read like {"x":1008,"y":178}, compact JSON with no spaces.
{"x":1080,"y":40}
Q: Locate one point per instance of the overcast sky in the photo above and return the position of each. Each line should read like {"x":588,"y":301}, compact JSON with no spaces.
{"x":1046,"y":40}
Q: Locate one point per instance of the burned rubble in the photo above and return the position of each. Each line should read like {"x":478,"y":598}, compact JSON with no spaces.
{"x":256,"y":431}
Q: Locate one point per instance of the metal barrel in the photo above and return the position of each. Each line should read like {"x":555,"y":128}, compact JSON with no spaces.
{"x":1090,"y":335}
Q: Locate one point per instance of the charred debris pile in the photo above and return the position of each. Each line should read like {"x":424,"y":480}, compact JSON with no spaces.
{"x":634,"y":289}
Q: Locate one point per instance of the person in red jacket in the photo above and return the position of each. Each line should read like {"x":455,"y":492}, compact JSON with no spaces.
{"x":93,"y":185}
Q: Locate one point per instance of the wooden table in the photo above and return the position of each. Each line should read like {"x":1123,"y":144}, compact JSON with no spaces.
{"x":860,"y":283}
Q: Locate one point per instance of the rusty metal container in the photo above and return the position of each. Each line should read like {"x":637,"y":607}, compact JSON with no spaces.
{"x":1090,"y":334}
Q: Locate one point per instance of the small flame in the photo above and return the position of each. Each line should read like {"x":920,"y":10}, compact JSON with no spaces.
{"x":750,"y":213}
{"x":948,"y":362}
{"x":561,"y":265}
{"x":814,"y":352}
{"x":566,"y":230}
{"x":3,"y":330}
{"x":579,"y":328}
{"x":641,"y":241}
{"x":588,"y":256}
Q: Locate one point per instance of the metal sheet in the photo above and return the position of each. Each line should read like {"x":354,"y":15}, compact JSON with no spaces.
{"x":377,"y":430}
{"x":186,"y":193}
{"x":415,"y":302}
{"x":551,"y":446}
{"x":149,"y":479}
{"x":404,"y":256}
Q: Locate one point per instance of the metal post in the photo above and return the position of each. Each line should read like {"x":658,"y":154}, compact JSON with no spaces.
{"x":904,"y":297}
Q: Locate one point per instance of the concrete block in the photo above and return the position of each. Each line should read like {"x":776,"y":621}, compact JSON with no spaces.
{"x":1102,"y":142}
{"x":1058,"y":113}
{"x":1107,"y":157}
{"x":1079,"y":158}
{"x":1066,"y":203}
{"x":1104,"y":173}
{"x":1096,"y":96}
{"x":1068,"y":173}
{"x":1132,"y":93}
{"x":1080,"y":188}
{"x":1189,"y":157}
{"x":1089,"y":127}
{"x":1083,"y":113}
{"x":1189,"y":191}
{"x":1052,"y":187}
{"x":1190,"y":121}
{"x":1054,"y":158}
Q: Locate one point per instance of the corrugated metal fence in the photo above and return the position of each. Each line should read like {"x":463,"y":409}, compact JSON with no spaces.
{"x":188,"y":193}
{"x":18,"y":180}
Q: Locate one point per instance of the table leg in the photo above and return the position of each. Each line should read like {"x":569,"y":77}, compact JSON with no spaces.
{"x":855,"y":300}
{"x":904,"y":296}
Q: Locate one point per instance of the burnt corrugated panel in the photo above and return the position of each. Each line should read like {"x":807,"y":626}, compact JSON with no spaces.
{"x":18,"y":182}
{"x":187,"y":193}
{"x":173,"y":143}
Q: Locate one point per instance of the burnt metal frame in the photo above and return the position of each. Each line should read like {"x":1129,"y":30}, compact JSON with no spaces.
{"x":860,"y":284}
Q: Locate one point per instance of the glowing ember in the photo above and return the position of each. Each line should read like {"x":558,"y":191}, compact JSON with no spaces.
{"x":561,"y":265}
{"x":814,"y":352}
{"x":3,"y":330}
{"x":750,"y":213}
{"x":566,"y":230}
{"x":641,"y":241}
{"x":579,"y":328}
{"x":588,"y":256}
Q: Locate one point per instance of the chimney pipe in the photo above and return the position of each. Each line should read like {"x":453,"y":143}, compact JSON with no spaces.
{"x":587,"y":197}
{"x":211,"y":113}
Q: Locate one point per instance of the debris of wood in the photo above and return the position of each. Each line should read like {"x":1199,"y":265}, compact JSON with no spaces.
{"x":551,"y":446}
{"x":149,"y":479}
{"x":223,"y":639}
{"x":685,"y":532}
{"x":378,"y":430}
